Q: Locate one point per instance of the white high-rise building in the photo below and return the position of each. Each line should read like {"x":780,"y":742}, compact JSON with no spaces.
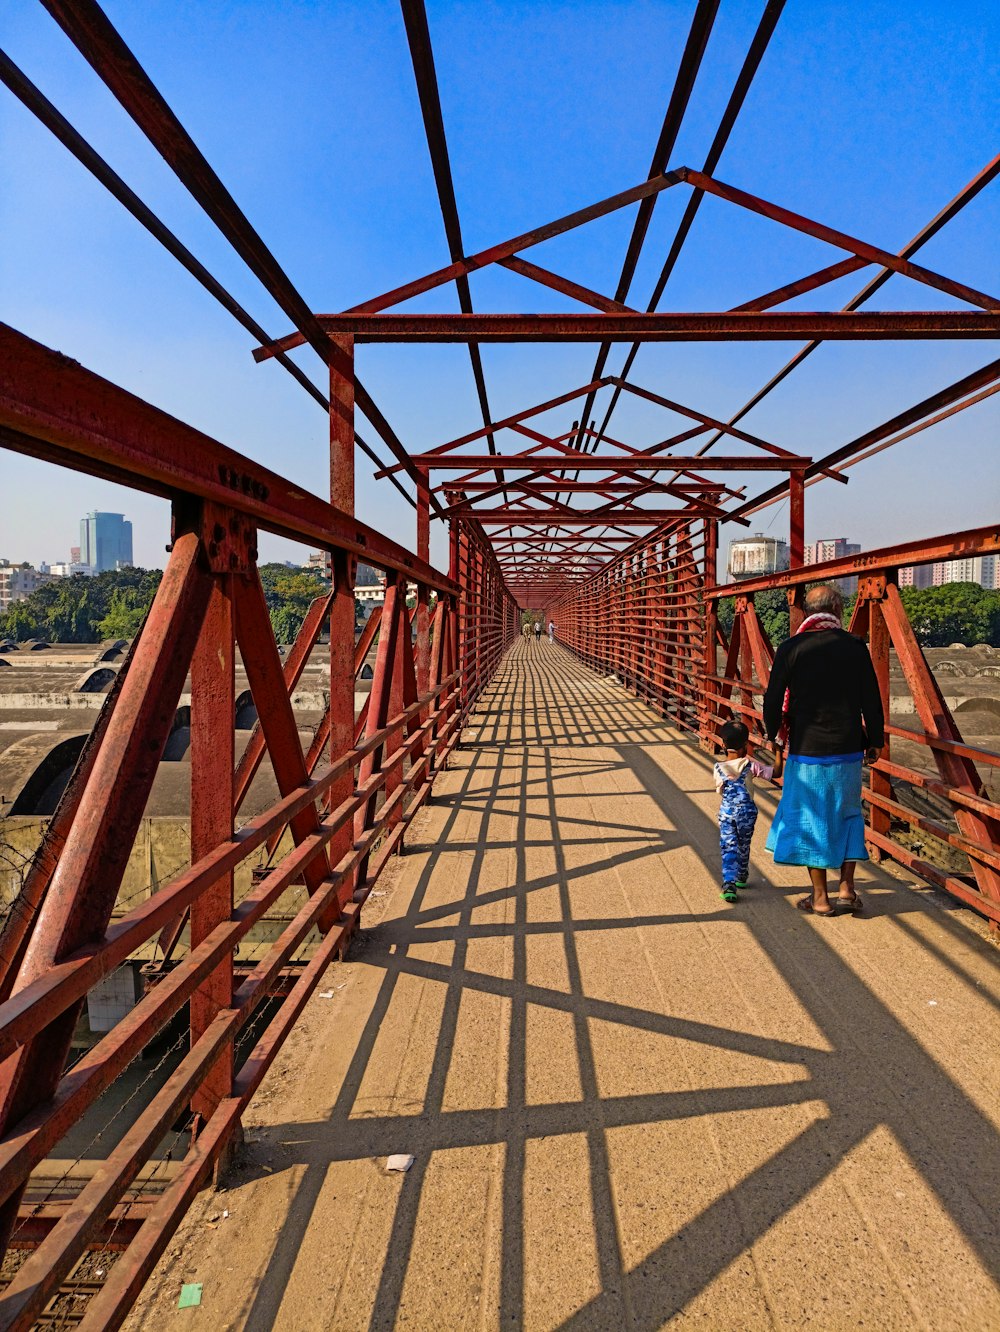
{"x":981,"y":569}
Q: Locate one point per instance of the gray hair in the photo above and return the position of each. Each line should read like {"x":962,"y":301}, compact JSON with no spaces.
{"x":825,"y":597}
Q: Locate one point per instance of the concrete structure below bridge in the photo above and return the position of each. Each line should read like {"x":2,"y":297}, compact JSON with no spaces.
{"x":630,"y":1105}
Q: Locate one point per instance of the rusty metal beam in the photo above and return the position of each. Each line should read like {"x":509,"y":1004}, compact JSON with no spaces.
{"x":618,"y":488}
{"x":702,"y":418}
{"x":53,"y":408}
{"x":36,"y":102}
{"x":440,"y":277}
{"x":509,"y":517}
{"x":962,"y":199}
{"x":508,"y":421}
{"x":768,"y":326}
{"x":968,"y":384}
{"x":564,"y":286}
{"x":78,"y":906}
{"x":951,"y":546}
{"x":801,"y":285}
{"x":872,"y":254}
{"x":752,"y":462}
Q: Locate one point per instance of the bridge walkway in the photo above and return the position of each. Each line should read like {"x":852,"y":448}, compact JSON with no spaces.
{"x":630,"y":1104}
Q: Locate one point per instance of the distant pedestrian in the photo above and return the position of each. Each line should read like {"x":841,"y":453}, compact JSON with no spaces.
{"x":738,"y":811}
{"x":552,"y":631}
{"x":824,"y":694}
{"x":538,"y":631}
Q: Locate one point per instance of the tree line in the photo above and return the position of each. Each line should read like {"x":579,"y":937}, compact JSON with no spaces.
{"x":82,"y":609}
{"x":114,"y":605}
{"x":953,"y":613}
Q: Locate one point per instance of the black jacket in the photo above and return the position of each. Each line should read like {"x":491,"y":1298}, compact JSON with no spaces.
{"x":833,"y":686}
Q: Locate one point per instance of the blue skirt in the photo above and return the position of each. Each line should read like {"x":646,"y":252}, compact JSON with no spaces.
{"x":819,"y":821}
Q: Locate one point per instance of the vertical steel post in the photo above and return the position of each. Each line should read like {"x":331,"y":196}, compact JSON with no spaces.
{"x":423,"y":653}
{"x":342,"y":572}
{"x":878,"y":646}
{"x":466,"y":610}
{"x":796,"y":545}
{"x":394,"y":621}
{"x":796,"y":520}
{"x":342,"y":422}
{"x":710,"y":632}
{"x":213,"y":726}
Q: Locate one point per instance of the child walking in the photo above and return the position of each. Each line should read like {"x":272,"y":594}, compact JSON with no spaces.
{"x":737,"y":813}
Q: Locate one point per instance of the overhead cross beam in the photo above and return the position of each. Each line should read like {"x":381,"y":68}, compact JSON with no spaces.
{"x":751,"y":462}
{"x":511,"y":517}
{"x":441,"y":276}
{"x":955,"y":205}
{"x":729,"y":326}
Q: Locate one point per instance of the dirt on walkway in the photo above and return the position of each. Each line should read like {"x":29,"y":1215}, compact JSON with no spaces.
{"x":630,"y":1105}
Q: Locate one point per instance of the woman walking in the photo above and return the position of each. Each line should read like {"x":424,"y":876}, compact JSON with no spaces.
{"x":823,"y":694}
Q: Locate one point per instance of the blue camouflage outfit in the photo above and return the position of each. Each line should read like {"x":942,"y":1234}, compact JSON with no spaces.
{"x":737,"y":815}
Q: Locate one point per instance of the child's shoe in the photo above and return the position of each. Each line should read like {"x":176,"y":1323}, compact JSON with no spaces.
{"x":729,"y":893}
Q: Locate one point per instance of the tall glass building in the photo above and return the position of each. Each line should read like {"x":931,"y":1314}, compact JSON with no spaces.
{"x":105,"y":541}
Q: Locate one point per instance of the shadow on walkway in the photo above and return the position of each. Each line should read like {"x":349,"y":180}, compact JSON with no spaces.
{"x":738,"y":1114}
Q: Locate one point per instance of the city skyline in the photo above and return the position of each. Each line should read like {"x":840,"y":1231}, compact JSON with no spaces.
{"x":751,"y":556}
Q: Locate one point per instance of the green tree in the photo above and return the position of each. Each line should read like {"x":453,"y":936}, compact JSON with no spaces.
{"x":76,"y":610}
{"x":289,"y":594}
{"x":772,"y":611}
{"x":125,"y":614}
{"x":20,"y":623}
{"x":955,"y":613}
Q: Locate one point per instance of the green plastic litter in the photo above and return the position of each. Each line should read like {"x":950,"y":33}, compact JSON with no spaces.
{"x":190,"y":1296}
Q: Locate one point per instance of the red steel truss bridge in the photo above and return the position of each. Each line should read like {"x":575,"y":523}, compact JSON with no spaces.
{"x":614,"y":539}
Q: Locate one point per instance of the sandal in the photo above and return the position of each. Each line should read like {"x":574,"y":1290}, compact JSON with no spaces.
{"x":806,"y":904}
{"x":850,"y":906}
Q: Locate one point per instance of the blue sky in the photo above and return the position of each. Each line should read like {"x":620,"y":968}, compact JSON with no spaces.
{"x":868,"y":117}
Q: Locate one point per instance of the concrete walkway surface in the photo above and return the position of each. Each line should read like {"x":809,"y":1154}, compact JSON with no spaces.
{"x":631,"y":1105}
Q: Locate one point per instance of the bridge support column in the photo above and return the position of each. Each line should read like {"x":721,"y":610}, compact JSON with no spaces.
{"x":343,"y":568}
{"x":710,"y":629}
{"x":423,"y":655}
{"x":871,"y":594}
{"x":213,"y":726}
{"x":796,"y":546}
